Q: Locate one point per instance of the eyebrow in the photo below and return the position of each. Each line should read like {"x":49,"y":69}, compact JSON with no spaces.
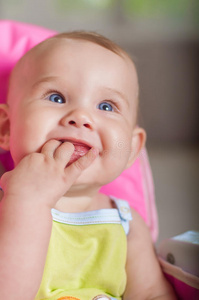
{"x":118,"y":93}
{"x":109,"y":89}
{"x":43,"y":80}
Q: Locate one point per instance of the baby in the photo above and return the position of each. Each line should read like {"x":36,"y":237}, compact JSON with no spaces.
{"x":72,"y":100}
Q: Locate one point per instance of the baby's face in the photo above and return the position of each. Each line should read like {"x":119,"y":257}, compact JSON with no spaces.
{"x":75,"y":91}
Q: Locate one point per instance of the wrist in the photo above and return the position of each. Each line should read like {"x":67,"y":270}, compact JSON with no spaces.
{"x":14,"y":207}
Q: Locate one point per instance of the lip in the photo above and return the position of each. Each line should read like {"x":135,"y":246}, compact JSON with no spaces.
{"x":81,"y":147}
{"x":75,"y":141}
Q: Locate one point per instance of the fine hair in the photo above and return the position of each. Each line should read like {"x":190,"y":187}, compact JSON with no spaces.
{"x":95,"y":38}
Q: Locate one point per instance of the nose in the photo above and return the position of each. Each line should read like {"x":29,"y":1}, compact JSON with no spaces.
{"x":79,"y":118}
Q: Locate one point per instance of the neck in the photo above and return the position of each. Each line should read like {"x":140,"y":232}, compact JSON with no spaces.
{"x":79,"y":199}
{"x":83,"y":191}
{"x":74,"y":202}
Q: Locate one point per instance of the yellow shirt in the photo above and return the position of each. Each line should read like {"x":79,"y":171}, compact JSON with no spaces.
{"x":86,"y":256}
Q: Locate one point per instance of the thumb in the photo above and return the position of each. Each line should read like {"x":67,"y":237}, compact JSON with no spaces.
{"x":74,"y":170}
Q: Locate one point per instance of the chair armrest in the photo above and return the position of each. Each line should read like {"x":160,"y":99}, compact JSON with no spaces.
{"x":179,"y":259}
{"x":182,"y":251}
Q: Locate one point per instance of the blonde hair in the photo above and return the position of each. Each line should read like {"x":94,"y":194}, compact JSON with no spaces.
{"x":95,"y":38}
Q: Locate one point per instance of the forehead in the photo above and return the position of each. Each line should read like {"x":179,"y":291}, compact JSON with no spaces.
{"x":80,"y":51}
{"x":63,"y":56}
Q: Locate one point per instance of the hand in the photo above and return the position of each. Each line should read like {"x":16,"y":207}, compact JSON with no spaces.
{"x":45,"y":176}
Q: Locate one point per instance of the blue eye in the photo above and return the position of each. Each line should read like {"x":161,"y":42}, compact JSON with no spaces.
{"x":56,"y":98}
{"x":105,"y":106}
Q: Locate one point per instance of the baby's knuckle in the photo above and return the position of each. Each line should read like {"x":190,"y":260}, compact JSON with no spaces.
{"x":35,"y":159}
{"x":33,"y":156}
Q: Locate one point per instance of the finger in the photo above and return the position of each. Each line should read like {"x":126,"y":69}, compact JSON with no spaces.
{"x":76,"y":168}
{"x":63,"y":152}
{"x":3,"y":180}
{"x":49,"y":148}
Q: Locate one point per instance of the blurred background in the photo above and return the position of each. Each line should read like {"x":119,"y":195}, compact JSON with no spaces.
{"x":163,"y":39}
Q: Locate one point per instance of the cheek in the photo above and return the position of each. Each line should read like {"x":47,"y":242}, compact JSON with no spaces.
{"x":24,"y":137}
{"x":118,"y":143}
{"x":18,"y":144}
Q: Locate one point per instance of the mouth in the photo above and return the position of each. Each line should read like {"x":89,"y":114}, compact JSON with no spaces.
{"x":81,"y":148}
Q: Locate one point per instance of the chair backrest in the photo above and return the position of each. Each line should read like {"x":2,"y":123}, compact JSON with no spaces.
{"x":134,"y":184}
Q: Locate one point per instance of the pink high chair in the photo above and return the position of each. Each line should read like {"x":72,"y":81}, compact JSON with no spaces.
{"x":135,"y":184}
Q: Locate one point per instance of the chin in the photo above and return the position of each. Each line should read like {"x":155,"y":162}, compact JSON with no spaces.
{"x":88,"y":180}
{"x":99,"y":174}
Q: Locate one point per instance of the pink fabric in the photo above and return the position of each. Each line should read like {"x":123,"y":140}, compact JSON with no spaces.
{"x":183,"y":290}
{"x":134,"y":184}
{"x":16,"y":39}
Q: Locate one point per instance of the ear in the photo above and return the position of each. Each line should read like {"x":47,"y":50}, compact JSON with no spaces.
{"x":138,"y":142}
{"x":4,"y":127}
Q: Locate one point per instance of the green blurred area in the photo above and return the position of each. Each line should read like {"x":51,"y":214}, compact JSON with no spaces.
{"x":158,"y":7}
{"x":142,"y":8}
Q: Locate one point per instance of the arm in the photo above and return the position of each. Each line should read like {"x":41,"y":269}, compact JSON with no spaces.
{"x":30,"y":191}
{"x":24,"y":235}
{"x":145,"y":279}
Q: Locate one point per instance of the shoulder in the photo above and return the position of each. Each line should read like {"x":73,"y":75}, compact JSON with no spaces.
{"x":138,"y":227}
{"x":139,"y":237}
